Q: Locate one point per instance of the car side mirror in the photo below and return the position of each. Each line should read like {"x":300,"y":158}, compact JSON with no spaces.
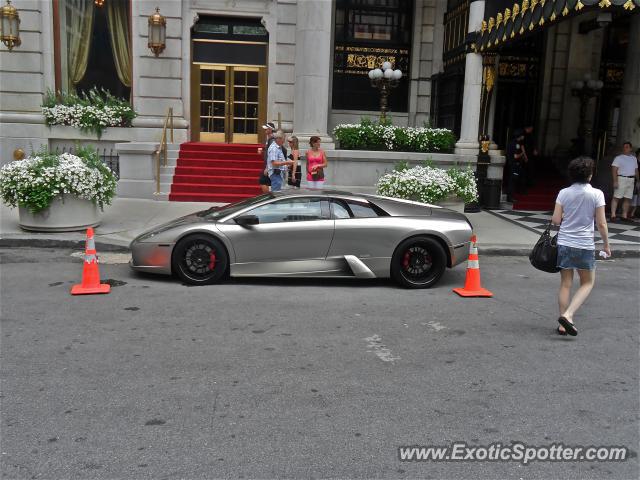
{"x":247,"y":220}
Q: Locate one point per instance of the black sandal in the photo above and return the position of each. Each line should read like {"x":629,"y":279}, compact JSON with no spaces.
{"x":561,"y":332}
{"x":568,"y":326}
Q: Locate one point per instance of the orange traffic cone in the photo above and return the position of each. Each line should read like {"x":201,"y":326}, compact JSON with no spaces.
{"x":90,"y":275}
{"x":472,"y":287}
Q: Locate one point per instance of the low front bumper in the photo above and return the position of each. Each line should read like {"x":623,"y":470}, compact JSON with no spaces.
{"x":459,"y":253}
{"x":151,"y":257}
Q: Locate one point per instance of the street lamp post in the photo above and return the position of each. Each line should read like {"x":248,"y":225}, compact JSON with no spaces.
{"x":384,"y":79}
{"x":584,"y":90}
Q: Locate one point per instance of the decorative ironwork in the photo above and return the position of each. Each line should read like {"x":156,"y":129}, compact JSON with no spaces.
{"x":528,"y":15}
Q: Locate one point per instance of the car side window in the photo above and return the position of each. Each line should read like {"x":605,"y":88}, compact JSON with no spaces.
{"x":361,"y":209}
{"x":340,"y":210}
{"x":289,"y":210}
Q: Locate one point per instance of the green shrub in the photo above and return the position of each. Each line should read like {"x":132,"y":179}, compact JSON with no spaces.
{"x":92,"y":111}
{"x":428,"y":184}
{"x":368,"y":135}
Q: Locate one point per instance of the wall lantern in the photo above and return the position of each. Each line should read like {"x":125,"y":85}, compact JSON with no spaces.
{"x":157,"y":32}
{"x":10,"y":26}
{"x":98,"y":3}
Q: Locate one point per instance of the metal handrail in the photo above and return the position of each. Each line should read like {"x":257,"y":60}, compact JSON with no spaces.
{"x":162,"y":149}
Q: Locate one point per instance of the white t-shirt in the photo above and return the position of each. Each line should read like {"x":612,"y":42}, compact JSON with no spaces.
{"x":579,"y":203}
{"x":626,"y":164}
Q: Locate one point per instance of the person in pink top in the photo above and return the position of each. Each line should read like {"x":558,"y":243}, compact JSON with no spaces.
{"x":316,"y":163}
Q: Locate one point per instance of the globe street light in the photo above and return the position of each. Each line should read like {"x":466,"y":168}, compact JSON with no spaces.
{"x":584,"y":90}
{"x":384,"y":79}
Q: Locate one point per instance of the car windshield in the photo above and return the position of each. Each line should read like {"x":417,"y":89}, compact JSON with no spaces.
{"x":219,"y":212}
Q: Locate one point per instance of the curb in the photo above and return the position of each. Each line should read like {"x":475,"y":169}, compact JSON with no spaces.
{"x":632,"y":252}
{"x":56,"y":243}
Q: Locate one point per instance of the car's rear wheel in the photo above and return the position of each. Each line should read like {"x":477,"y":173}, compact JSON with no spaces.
{"x":199,"y":259}
{"x":418,"y":262}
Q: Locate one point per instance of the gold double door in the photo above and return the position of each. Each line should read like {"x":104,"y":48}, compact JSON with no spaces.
{"x":228,"y":103}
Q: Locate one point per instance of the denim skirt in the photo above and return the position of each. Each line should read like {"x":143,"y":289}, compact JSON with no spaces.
{"x":580,"y":258}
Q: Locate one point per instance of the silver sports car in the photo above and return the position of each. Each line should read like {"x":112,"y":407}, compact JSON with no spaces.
{"x":309,"y":233}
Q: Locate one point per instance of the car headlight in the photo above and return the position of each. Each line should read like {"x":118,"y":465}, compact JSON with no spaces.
{"x":146,"y":236}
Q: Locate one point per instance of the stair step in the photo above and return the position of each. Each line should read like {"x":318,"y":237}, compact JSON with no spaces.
{"x":220,"y":164}
{"x":250,"y":190}
{"x":216,"y":147}
{"x":218,"y":171}
{"x":185,"y":158}
{"x":220,"y":155}
{"x":215,"y":179}
{"x":206,"y":197}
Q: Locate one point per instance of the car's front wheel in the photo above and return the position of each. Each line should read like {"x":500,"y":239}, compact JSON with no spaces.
{"x":418,"y":262}
{"x":199,"y":259}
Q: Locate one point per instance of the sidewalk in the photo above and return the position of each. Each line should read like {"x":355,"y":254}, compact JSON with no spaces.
{"x":126,"y":218}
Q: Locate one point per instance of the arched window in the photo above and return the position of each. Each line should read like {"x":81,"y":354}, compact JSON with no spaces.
{"x":93,"y":45}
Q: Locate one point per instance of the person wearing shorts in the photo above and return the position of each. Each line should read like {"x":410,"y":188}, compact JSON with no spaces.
{"x":624,"y":170}
{"x":576,"y":209}
{"x":316,"y":163}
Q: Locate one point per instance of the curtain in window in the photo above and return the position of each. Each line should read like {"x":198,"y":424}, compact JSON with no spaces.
{"x":119,"y":28}
{"x":79,"y":30}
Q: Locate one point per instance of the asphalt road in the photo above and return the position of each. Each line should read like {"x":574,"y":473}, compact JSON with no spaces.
{"x":300,"y":379}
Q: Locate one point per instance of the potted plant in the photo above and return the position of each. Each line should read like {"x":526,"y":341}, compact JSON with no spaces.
{"x":91,"y":112}
{"x":368,"y":135}
{"x":58,"y":192}
{"x":450,"y":188}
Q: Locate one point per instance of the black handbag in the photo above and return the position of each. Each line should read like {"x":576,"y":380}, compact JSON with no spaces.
{"x":319,"y":175}
{"x":544,"y":255}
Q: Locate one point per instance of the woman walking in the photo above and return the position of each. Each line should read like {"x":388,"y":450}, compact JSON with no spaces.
{"x":294,"y":156}
{"x":316,"y":163}
{"x":576,"y":208}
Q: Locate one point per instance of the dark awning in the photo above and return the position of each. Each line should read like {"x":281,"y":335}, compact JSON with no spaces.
{"x":505,"y":21}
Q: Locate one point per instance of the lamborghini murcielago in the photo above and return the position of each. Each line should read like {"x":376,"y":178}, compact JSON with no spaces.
{"x":309,"y":233}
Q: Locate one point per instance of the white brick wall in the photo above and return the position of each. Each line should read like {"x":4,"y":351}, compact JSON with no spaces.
{"x":21,"y":76}
{"x":157,"y":81}
{"x":430,"y":56}
{"x":284,"y":74}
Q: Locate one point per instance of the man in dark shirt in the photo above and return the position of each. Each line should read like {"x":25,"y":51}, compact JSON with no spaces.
{"x":515,"y":161}
{"x":531,"y":153}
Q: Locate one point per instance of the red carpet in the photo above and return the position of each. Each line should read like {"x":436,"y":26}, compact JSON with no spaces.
{"x":216,"y":172}
{"x":541,"y":197}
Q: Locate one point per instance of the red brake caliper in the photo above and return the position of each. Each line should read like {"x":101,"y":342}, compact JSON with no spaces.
{"x":405,"y":261}
{"x":212,"y":260}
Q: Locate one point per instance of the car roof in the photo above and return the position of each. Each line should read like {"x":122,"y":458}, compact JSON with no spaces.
{"x":310,"y":191}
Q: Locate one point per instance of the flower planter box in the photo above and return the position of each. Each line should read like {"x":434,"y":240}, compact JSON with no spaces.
{"x":58,"y":192}
{"x":67,"y":213}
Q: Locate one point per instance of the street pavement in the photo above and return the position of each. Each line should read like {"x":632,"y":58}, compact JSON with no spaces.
{"x":307,"y":378}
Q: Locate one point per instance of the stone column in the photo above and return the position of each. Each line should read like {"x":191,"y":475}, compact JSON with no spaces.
{"x":629,"y":124}
{"x":468,"y":142}
{"x":312,"y":70}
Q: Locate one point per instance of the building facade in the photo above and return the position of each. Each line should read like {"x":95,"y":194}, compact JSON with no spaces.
{"x":478,"y":67}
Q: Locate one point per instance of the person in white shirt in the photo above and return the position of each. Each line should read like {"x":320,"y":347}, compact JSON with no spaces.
{"x":624,"y":170}
{"x":576,"y":209}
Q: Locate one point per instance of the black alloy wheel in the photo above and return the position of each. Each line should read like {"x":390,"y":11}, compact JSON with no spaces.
{"x":418,"y":262}
{"x":199,"y":259}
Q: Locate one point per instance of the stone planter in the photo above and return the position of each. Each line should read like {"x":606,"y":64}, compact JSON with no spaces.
{"x":452,"y":203}
{"x":67,"y":213}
